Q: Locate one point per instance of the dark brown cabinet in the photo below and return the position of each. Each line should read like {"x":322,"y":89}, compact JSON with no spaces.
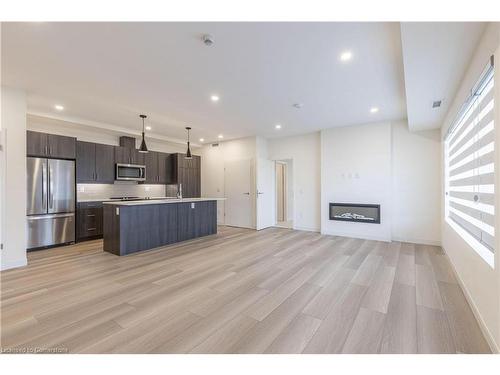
{"x":151,"y":163}
{"x":187,"y":173}
{"x":128,"y":229}
{"x":94,"y":163}
{"x":104,"y":163}
{"x":196,"y":219}
{"x":36,"y":144}
{"x":50,"y":145}
{"x":156,"y":167}
{"x":126,"y":155}
{"x":163,"y":167}
{"x":89,"y":220}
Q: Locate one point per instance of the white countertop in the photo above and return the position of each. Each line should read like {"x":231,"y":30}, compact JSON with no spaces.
{"x":161,"y":201}
{"x":117,"y":200}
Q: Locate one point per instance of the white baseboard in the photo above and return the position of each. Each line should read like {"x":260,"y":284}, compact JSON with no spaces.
{"x":13,"y":264}
{"x":351,"y":235}
{"x":482,"y":325}
{"x":307,"y":229}
{"x":417,"y":241}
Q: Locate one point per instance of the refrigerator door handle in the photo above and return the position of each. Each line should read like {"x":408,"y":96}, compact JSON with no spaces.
{"x":51,"y":188}
{"x":50,"y":216}
{"x":44,"y":185}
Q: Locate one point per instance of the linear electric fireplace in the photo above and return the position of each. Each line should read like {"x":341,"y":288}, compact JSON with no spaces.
{"x":363,"y":213}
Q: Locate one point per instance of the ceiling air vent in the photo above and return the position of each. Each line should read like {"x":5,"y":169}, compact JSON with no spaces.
{"x":436,"y":104}
{"x":215,"y":145}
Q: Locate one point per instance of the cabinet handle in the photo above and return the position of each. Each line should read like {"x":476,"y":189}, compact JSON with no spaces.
{"x":91,"y":215}
{"x":90,"y":229}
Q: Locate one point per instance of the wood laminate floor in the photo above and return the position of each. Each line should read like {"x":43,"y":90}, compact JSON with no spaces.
{"x":240,"y":291}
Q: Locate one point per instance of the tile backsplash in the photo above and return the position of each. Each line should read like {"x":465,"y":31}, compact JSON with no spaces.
{"x":119,"y":189}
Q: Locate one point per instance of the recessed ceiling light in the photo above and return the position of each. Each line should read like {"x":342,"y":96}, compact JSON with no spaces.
{"x":373,"y":109}
{"x":346,"y":56}
{"x":58,"y":107}
{"x":202,"y":140}
{"x":148,"y":127}
{"x":220,"y":136}
{"x":277,"y":126}
{"x":215,"y":98}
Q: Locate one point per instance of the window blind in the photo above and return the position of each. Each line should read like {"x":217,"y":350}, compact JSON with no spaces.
{"x":470,"y":165}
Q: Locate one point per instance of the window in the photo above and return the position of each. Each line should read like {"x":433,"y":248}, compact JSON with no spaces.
{"x":470,"y":169}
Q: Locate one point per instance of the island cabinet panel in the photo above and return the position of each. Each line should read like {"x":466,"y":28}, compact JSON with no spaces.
{"x":132,"y":228}
{"x":197,"y":219}
{"x":111,"y":230}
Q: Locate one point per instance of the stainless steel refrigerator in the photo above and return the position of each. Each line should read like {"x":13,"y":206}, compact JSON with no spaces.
{"x":50,"y":202}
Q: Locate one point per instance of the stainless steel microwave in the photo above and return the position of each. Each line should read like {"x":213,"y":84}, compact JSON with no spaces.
{"x":130,"y":172}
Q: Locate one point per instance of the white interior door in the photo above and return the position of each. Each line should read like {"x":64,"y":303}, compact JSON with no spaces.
{"x":239,"y":207}
{"x":265,"y":194}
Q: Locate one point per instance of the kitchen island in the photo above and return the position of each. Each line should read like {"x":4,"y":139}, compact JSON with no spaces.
{"x":133,"y":226}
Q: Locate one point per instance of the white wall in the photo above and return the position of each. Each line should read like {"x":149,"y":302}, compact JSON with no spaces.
{"x":416,"y":185}
{"x":480,"y":282}
{"x":304,"y":151}
{"x":13,"y":127}
{"x":212,"y":167}
{"x":356,"y":168}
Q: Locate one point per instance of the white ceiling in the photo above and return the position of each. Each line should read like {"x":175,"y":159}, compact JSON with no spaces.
{"x":435,"y":57}
{"x":106,"y":74}
{"x":111,"y":72}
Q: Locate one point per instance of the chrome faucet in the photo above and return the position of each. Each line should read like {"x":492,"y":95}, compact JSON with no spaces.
{"x":179,"y":191}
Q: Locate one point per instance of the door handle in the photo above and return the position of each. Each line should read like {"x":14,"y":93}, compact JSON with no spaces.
{"x":51,"y":193}
{"x":44,"y":186}
{"x":246,"y":193}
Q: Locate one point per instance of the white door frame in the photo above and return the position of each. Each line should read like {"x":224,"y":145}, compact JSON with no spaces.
{"x":293,"y":183}
{"x":265,"y":205}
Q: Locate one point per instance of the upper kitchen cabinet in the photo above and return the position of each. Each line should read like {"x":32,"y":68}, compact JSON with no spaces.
{"x":104,"y":163}
{"x":126,"y":155}
{"x":94,"y":163}
{"x":36,"y":144}
{"x":50,"y":145}
{"x":157,"y":167}
{"x":151,"y":163}
{"x":164,"y":169}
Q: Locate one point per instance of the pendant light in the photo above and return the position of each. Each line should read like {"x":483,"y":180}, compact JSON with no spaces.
{"x":188,"y":152}
{"x":143,"y":147}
